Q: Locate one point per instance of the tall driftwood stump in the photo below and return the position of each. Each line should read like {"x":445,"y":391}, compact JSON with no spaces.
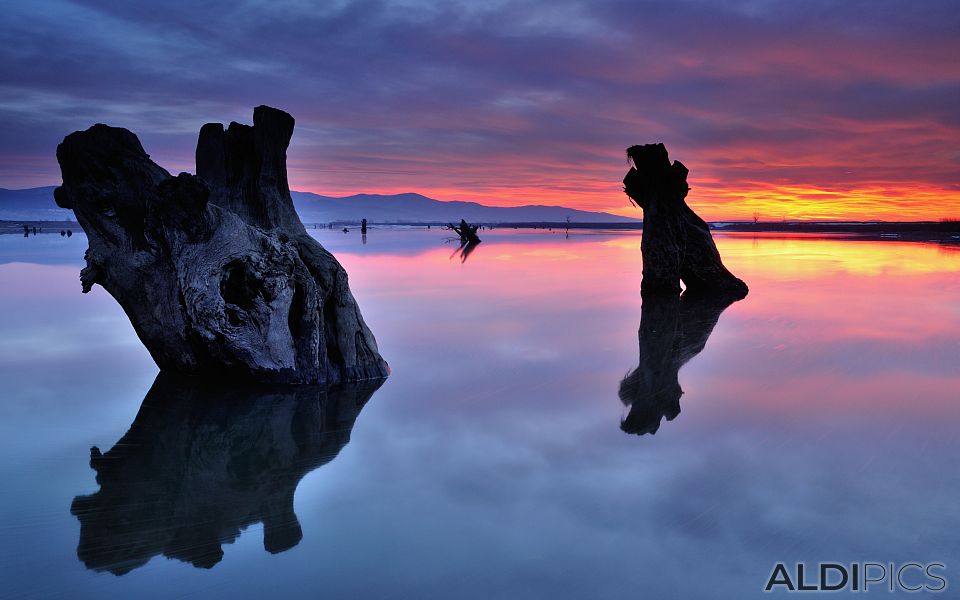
{"x":676,"y":243}
{"x":215,"y":271}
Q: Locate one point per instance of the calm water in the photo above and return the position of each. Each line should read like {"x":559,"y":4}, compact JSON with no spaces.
{"x":820,"y":422}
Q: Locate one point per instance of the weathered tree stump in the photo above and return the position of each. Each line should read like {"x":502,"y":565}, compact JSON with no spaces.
{"x":215,"y":271}
{"x":467,"y":232}
{"x":673,"y":329}
{"x":676,"y":243}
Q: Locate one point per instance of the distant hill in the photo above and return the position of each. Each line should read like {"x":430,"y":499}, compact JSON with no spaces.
{"x":32,"y":204}
{"x":37,"y":204}
{"x":397,"y":208}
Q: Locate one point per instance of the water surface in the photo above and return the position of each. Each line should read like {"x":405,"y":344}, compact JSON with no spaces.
{"x":818,"y":422}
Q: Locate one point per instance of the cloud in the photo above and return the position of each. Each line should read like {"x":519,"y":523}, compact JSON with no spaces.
{"x":512,"y":102}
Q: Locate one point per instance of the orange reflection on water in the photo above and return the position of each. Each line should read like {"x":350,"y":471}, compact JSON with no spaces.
{"x":780,"y":256}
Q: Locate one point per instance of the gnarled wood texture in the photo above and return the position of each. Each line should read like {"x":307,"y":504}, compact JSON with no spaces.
{"x":215,"y":271}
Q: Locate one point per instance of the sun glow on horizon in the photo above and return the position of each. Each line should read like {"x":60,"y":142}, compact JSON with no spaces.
{"x":772,"y":203}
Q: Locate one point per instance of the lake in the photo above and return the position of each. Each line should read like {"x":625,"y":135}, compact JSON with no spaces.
{"x":819,"y":422}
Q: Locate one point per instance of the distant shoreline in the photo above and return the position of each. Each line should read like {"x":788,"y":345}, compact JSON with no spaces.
{"x":16,"y":227}
{"x":919,"y":231}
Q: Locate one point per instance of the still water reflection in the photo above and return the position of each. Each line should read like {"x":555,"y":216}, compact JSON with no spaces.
{"x":201,"y":462}
{"x":673,"y":329}
{"x":819,"y":422}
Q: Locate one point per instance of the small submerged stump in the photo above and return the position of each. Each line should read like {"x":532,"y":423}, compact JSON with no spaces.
{"x":467,"y":232}
{"x":676,"y":243}
{"x":215,"y":271}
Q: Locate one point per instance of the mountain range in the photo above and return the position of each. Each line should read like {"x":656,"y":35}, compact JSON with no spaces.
{"x":37,"y":204}
{"x":32,"y":204}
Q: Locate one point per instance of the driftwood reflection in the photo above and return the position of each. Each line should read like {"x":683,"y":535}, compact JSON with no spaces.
{"x":464,"y":251}
{"x":202,"y":462}
{"x":673,"y":329}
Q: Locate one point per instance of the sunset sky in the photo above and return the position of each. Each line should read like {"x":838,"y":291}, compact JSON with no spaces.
{"x":800,"y":110}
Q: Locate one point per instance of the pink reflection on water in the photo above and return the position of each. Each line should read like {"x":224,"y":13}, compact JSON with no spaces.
{"x":829,"y":323}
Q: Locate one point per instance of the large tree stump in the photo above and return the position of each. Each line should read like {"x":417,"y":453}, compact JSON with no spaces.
{"x":202,"y":462}
{"x":215,"y":271}
{"x":676,"y":243}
